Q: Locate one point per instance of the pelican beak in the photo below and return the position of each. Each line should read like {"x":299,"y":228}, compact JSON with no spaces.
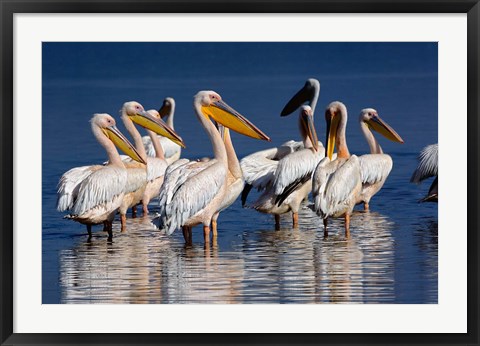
{"x":332,"y":126}
{"x":227,"y":116}
{"x":377,"y":124}
{"x":165,"y":109}
{"x":302,"y":96}
{"x":156,"y":125}
{"x":307,"y":121}
{"x":122,"y":143}
{"x":221,"y":129}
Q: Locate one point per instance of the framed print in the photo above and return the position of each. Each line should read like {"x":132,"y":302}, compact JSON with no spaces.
{"x":329,"y":232}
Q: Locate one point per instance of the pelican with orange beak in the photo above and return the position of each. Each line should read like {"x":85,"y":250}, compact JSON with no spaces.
{"x":376,"y":166}
{"x":291,"y":181}
{"x":193,"y":191}
{"x":94,"y":193}
{"x":144,"y":181}
{"x":336,"y":184}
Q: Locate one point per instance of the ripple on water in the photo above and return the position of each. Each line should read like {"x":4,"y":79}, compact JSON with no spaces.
{"x":259,"y":266}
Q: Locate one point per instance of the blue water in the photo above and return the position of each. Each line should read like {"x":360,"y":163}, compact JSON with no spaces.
{"x":392,"y":255}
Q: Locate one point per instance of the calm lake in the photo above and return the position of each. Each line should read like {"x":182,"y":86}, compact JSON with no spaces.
{"x":392,"y":255}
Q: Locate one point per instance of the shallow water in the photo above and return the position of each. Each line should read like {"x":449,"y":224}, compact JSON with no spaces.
{"x":392,"y":255}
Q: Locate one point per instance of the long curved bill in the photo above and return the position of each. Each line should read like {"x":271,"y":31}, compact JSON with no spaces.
{"x":302,"y":96}
{"x":158,"y":126}
{"x":310,"y":129}
{"x":122,"y":143}
{"x":377,"y":124}
{"x":227,"y":116}
{"x":332,"y":126}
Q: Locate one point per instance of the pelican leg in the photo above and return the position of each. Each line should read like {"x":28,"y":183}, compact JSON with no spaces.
{"x":277,"y":221}
{"x":108,"y":225}
{"x":187,"y":234}
{"x":89,"y":230}
{"x":366,"y":207}
{"x":214,"y":225}
{"x":295,"y":220}
{"x":325,"y":229}
{"x":105,"y":226}
{"x":134,"y":212}
{"x":145,"y":209}
{"x":206,"y":233}
{"x":123,"y":222}
{"x":214,"y":228}
{"x":347,"y":225}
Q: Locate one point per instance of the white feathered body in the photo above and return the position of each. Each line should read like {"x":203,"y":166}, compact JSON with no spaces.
{"x":427,"y":164}
{"x":134,"y":187}
{"x":336,"y":186}
{"x":293,"y":172}
{"x":191,"y":193}
{"x":155,"y":173}
{"x":99,"y":195}
{"x":259,"y":168}
{"x":69,"y":184}
{"x":375,"y":169}
{"x":234,"y":189}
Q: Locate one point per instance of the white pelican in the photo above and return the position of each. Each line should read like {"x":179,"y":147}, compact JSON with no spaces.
{"x":143,"y":181}
{"x":95,"y":194}
{"x":259,"y":167}
{"x":194,"y":191}
{"x":291,"y":180}
{"x":336,"y":184}
{"x":375,"y":166}
{"x":428,"y":167}
{"x":171,"y":150}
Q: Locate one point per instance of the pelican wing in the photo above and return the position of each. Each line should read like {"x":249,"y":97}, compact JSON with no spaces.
{"x":375,"y":167}
{"x":294,"y":168}
{"x":67,"y":188}
{"x":189,"y":186}
{"x":333,"y":184}
{"x":258,"y":168}
{"x":427,"y":164}
{"x":100,"y":187}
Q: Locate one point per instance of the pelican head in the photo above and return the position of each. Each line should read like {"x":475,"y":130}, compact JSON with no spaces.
{"x":138,"y":115}
{"x":167,"y":106}
{"x":307,"y":93}
{"x":108,"y":126}
{"x":336,"y":117}
{"x":370,"y":117}
{"x":212,"y":105}
{"x":306,"y":125}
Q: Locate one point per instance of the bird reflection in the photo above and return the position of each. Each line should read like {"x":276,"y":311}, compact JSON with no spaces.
{"x":262,"y":266}
{"x":299,"y":265}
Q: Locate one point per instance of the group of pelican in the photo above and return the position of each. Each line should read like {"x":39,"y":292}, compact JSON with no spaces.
{"x":94,"y":194}
{"x":194,"y":192}
{"x":337,"y":181}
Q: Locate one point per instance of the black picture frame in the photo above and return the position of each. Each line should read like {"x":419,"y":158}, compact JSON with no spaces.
{"x":10,"y":7}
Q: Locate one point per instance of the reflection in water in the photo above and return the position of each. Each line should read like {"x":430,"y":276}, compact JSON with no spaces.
{"x":262,"y":266}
